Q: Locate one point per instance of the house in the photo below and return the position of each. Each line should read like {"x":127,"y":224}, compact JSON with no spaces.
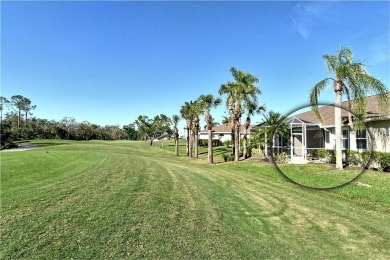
{"x":308,"y":133}
{"x":224,"y":132}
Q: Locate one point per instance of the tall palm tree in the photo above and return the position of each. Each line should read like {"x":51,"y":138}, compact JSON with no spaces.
{"x":175,"y":120}
{"x":242,"y":90}
{"x":207,"y":103}
{"x":197,"y":110}
{"x":350,"y":78}
{"x":186,"y":112}
{"x":252,"y":109}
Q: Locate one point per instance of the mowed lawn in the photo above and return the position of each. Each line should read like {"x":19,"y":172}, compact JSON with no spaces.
{"x":126,"y":199}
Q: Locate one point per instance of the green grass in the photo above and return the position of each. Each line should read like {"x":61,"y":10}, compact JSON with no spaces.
{"x":126,"y":199}
{"x":318,"y":175}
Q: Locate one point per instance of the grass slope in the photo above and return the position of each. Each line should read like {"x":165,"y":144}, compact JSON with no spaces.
{"x":126,"y":199}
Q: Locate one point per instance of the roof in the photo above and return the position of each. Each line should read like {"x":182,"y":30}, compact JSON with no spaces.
{"x":327,"y":112}
{"x":227,"y":128}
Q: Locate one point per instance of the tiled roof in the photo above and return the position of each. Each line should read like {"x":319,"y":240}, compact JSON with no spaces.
{"x":327,"y":112}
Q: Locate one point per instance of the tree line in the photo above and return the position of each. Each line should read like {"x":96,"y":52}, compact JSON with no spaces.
{"x":18,"y":123}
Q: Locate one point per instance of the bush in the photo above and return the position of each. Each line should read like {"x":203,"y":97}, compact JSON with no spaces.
{"x":228,"y":157}
{"x":259,"y":153}
{"x":379,"y":160}
{"x":282,"y":157}
{"x":385,"y":161}
{"x":228,"y":143}
{"x":354,"y":158}
{"x":322,"y":153}
{"x":366,"y":156}
{"x":331,"y":157}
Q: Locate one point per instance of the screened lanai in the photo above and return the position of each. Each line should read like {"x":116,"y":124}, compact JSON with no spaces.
{"x":303,"y":142}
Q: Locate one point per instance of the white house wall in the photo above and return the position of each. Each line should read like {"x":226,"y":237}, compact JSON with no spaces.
{"x":330,"y":139}
{"x":380,"y":131}
{"x":225,"y":137}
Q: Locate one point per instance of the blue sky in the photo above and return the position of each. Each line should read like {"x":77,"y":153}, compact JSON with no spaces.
{"x":108,"y":62}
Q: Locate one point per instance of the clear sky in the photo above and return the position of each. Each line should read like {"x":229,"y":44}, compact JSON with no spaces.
{"x":108,"y":62}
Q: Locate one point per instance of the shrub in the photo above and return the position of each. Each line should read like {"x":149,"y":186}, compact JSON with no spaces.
{"x":379,"y":160}
{"x":354,"y":158}
{"x":385,"y":161}
{"x":228,"y":157}
{"x":322,"y":153}
{"x":366,"y":156}
{"x":331,"y":157}
{"x":228,"y":143}
{"x":282,"y":157}
{"x":382,"y":160}
{"x":258,"y":153}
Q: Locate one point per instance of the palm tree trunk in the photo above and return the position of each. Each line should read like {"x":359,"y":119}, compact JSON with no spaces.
{"x":19,"y":115}
{"x":176,"y":144}
{"x":210,"y":148}
{"x":188,"y":140}
{"x":244,"y":152}
{"x":190,"y":144}
{"x":196,"y":143}
{"x":337,"y":115}
{"x":236,"y":142}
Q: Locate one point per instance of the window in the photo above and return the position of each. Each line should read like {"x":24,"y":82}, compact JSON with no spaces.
{"x":344,"y":139}
{"x":327,"y":137}
{"x":361,"y":140}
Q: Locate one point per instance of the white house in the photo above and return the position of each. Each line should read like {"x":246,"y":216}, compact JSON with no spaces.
{"x":308,"y":133}
{"x":224,"y":132}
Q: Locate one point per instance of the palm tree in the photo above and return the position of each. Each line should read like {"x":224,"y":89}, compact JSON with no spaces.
{"x":197,"y":110}
{"x":207,"y":102}
{"x":187,"y":113}
{"x":351,"y":78}
{"x":252,"y":109}
{"x":242,"y":90}
{"x":175,"y":120}
{"x":274,"y":123}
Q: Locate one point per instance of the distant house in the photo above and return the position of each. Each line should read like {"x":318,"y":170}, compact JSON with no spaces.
{"x":308,"y":133}
{"x":224,"y":132}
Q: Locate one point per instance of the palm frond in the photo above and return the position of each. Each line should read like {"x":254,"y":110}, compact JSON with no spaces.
{"x":315,"y":93}
{"x":330,"y":62}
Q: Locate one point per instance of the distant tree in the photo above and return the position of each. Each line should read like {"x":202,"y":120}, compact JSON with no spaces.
{"x":144,"y":126}
{"x":175,"y":120}
{"x":252,"y":108}
{"x":352,"y":79}
{"x":187,"y":113}
{"x":197,"y":111}
{"x":27,"y":107}
{"x":17,"y":103}
{"x":207,"y":102}
{"x":161,"y":126}
{"x":132,"y":133}
{"x":3,"y":101}
{"x":68,"y":123}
